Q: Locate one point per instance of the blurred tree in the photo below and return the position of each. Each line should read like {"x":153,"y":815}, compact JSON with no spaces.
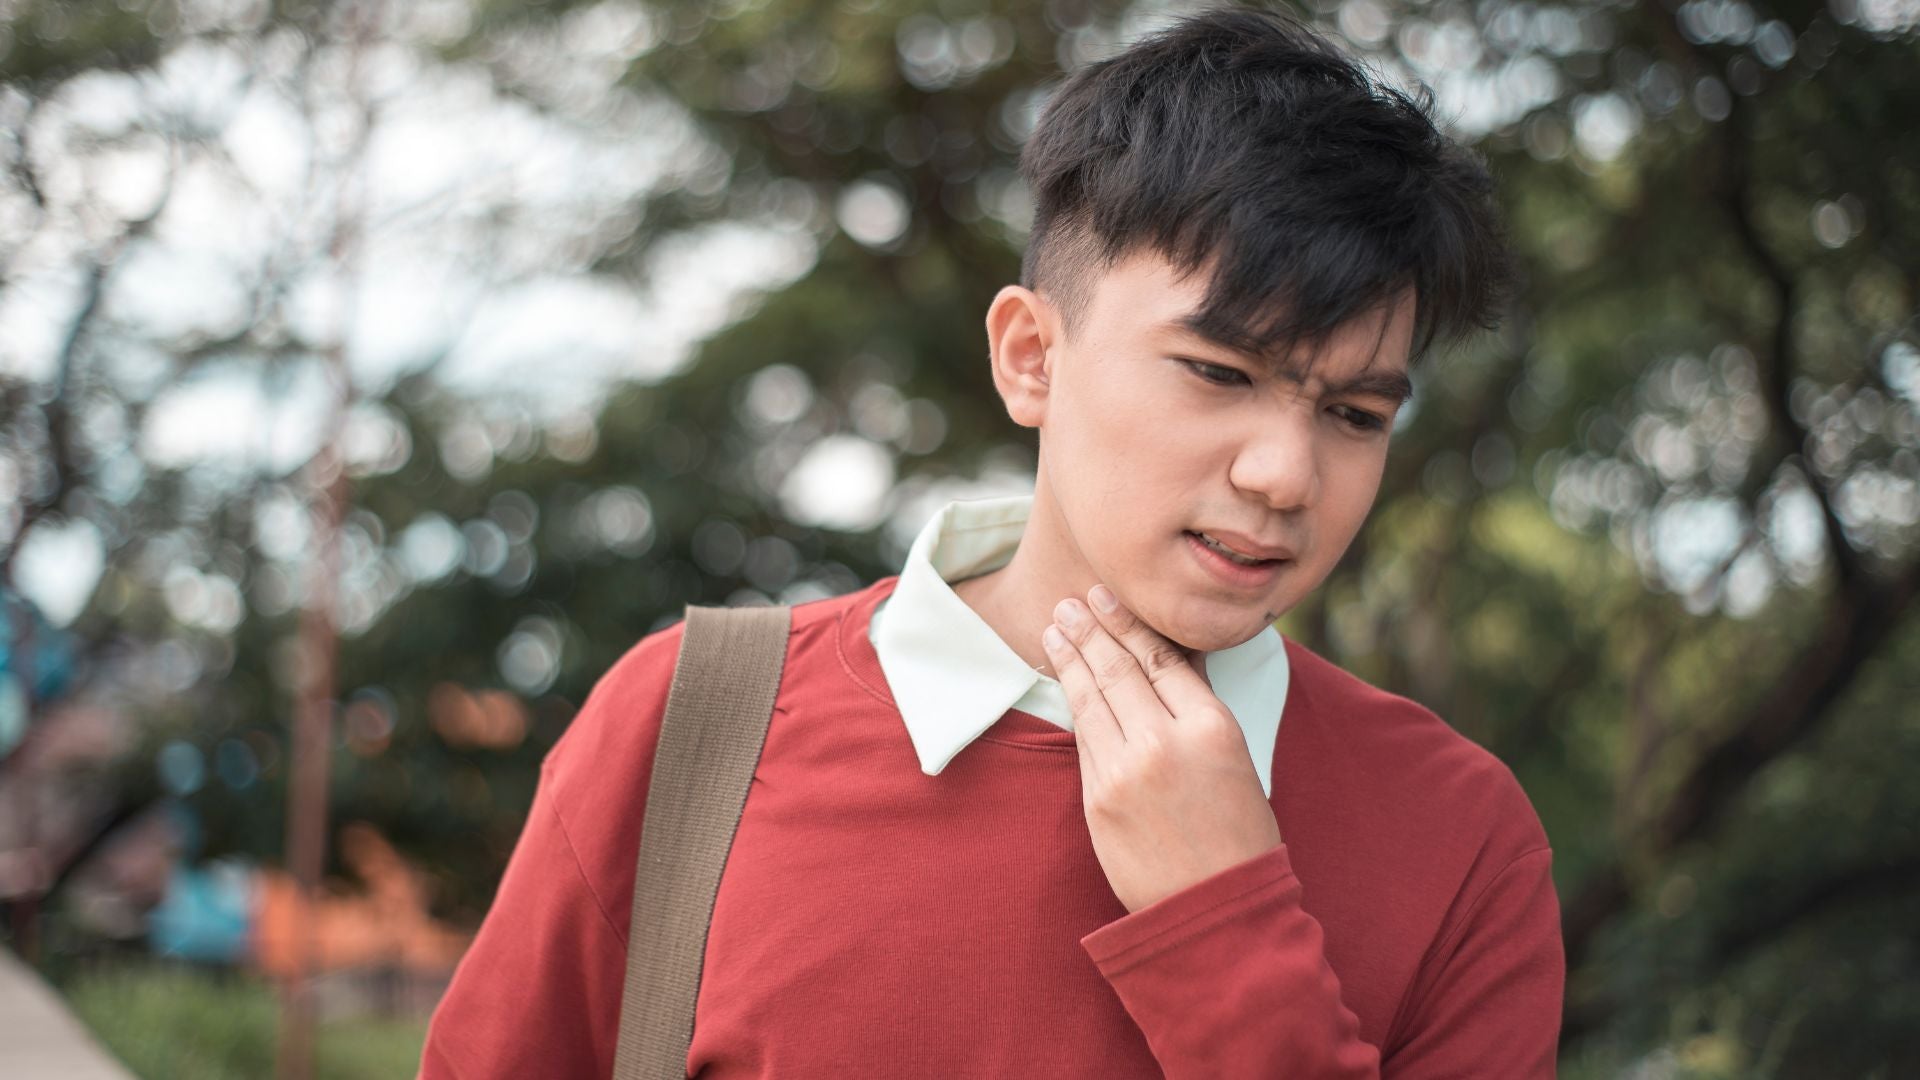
{"x":1655,"y":543}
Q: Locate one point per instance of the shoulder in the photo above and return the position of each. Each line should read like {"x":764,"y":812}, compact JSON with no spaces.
{"x":1404,"y":756}
{"x":596,"y":776}
{"x":653,"y":655}
{"x":606,"y":751}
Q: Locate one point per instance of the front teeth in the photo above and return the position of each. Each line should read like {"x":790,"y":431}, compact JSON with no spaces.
{"x":1223,"y":549}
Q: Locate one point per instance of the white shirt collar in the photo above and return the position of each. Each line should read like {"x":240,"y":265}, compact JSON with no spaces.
{"x":952,"y":676}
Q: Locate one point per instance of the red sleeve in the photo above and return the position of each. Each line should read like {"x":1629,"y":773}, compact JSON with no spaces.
{"x":1487,"y":1001}
{"x":538,"y":992}
{"x":530,"y":996}
{"x":1228,"y":978}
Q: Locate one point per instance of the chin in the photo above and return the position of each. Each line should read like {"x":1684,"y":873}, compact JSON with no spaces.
{"x":1207,"y":635}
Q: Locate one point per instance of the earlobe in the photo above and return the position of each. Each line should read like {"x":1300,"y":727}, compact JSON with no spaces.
{"x":1021,"y":329}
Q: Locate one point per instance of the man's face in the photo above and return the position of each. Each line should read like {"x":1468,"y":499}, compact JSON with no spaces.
{"x":1154,"y":437}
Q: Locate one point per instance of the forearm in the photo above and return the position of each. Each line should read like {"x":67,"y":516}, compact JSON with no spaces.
{"x":1228,"y":978}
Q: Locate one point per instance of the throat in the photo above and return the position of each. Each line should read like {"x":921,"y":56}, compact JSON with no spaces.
{"x":1016,"y":613}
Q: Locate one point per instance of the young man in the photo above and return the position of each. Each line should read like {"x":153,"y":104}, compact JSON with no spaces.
{"x":1057,"y":800}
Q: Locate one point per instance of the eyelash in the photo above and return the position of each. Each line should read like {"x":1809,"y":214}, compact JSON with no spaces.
{"x":1358,"y":419}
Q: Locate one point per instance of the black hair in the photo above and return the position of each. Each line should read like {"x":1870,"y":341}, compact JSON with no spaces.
{"x":1243,"y":141}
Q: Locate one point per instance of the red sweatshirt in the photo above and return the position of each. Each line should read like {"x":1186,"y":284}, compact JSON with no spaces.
{"x":876,"y":921}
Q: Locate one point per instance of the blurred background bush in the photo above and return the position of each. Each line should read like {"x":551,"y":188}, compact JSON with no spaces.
{"x":503,"y":330}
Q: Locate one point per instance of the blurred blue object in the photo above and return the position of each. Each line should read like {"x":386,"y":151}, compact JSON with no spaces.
{"x":30,"y":644}
{"x":13,"y":713}
{"x":182,"y":767}
{"x":30,"y":649}
{"x":206,"y":913}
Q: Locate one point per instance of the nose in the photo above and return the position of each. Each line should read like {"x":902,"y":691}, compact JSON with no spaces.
{"x":1278,"y":461}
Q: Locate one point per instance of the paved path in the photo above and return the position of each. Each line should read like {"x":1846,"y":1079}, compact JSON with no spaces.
{"x":40,"y":1038}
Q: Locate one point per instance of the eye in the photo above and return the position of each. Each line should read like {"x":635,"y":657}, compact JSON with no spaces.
{"x":1360,"y":419}
{"x":1218,"y":374}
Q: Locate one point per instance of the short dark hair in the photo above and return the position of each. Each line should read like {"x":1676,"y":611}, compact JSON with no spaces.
{"x":1243,"y":141}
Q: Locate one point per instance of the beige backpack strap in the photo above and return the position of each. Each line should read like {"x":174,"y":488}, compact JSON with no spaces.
{"x":718,"y":708}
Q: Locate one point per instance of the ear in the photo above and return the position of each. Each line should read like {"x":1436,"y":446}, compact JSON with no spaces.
{"x":1022,"y":329}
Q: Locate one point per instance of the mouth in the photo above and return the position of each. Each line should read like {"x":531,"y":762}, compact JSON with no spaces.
{"x":1243,"y":555}
{"x":1232,"y":568}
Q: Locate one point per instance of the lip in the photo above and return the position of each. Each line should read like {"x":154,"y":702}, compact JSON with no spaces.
{"x":1246,"y":545}
{"x":1228,"y":572}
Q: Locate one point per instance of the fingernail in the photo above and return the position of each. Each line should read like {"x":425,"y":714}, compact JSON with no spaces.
{"x":1102,"y":598}
{"x":1067,"y":613}
{"x":1053,"y":638}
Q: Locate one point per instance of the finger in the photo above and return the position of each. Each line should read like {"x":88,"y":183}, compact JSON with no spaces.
{"x":1095,"y":729}
{"x":1115,"y":671}
{"x":1173,"y":676}
{"x":1088,"y":744}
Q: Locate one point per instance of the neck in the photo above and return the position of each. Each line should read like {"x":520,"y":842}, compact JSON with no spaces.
{"x":1017,"y":600}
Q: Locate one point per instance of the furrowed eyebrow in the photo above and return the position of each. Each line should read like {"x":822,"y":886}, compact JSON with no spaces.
{"x":1389,"y":385}
{"x":1392,"y":386}
{"x":1190,"y":326}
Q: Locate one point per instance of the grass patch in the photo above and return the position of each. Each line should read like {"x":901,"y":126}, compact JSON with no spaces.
{"x":179,"y":1023}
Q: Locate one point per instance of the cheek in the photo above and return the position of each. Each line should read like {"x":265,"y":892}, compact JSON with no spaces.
{"x":1118,"y":447}
{"x":1356,"y":482}
{"x":1110,"y":415}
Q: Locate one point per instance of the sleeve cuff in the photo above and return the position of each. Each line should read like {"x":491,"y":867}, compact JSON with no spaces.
{"x":1193,"y":911}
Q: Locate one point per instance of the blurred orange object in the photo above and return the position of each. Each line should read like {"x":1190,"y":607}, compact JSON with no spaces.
{"x":387,"y":924}
{"x":495,"y":719}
